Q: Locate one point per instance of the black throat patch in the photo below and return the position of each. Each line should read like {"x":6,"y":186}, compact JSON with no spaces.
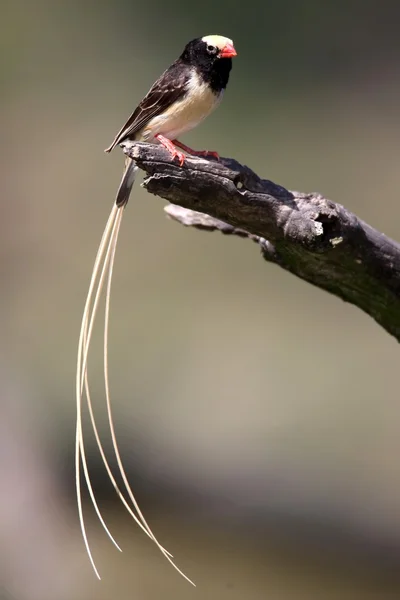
{"x":214,"y":71}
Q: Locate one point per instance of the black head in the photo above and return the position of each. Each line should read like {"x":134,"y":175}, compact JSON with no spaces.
{"x":212,"y":56}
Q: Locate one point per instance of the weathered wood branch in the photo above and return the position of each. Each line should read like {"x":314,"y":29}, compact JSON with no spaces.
{"x":310,"y":236}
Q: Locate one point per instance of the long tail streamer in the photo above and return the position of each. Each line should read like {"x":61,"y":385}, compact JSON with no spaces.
{"x":103,"y":271}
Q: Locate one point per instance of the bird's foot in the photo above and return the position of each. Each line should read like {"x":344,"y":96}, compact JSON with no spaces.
{"x":204,"y":153}
{"x":171,"y":148}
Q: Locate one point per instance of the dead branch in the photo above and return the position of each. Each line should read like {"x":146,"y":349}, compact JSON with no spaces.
{"x":310,"y":236}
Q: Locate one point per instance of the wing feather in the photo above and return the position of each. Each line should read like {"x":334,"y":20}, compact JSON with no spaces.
{"x":170,"y":87}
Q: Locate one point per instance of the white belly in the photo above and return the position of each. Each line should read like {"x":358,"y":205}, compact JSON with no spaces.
{"x":185,"y":114}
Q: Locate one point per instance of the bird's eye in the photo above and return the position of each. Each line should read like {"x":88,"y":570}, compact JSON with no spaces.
{"x":211,"y":49}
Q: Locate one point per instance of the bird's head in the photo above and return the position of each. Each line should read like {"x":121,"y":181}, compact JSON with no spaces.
{"x":209,"y":48}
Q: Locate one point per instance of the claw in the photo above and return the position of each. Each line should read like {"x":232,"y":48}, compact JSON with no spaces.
{"x":180,"y":156}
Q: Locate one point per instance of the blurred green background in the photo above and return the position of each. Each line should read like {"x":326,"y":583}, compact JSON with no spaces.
{"x":258,"y":417}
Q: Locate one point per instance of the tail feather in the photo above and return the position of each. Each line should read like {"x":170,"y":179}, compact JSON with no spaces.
{"x":127,"y":181}
{"x":101,"y":275}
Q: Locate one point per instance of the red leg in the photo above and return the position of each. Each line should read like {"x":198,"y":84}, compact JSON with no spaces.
{"x":195,"y":152}
{"x":171,"y":148}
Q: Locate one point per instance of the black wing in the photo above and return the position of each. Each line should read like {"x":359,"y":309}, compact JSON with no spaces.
{"x":166,"y":90}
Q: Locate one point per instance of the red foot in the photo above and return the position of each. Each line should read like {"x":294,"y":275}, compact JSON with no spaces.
{"x":171,"y":148}
{"x":204,"y":153}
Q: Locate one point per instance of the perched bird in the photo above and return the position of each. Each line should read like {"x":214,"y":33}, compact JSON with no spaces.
{"x":187,"y":92}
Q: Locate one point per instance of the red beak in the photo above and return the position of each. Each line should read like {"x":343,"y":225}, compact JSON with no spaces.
{"x":228,"y":51}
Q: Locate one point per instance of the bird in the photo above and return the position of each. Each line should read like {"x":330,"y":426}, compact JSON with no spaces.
{"x":183,"y":96}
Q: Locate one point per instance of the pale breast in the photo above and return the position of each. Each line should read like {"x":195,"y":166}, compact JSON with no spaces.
{"x":184,"y":114}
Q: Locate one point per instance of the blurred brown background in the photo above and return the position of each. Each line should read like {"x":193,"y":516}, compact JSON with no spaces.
{"x":258,"y":417}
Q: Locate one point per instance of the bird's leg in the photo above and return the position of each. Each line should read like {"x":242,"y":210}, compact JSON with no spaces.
{"x":171,"y":148}
{"x":204,"y":153}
